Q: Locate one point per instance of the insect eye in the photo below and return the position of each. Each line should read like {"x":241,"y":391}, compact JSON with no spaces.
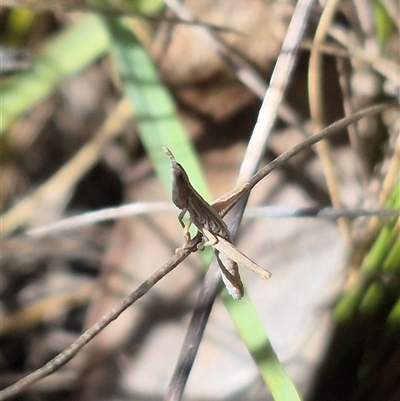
{"x":180,"y":176}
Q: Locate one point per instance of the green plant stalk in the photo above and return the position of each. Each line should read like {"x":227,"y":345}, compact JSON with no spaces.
{"x":373,"y":261}
{"x":393,"y":320}
{"x":372,"y":299}
{"x":383,"y":257}
{"x":372,"y":265}
{"x":159,"y":126}
{"x":391,"y":263}
{"x":394,"y":201}
{"x":384,"y":24}
{"x":349,"y":301}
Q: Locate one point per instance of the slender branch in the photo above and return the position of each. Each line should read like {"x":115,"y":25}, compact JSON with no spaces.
{"x":266,"y":118}
{"x":325,"y":133}
{"x":200,"y":317}
{"x":324,"y":212}
{"x":66,"y":355}
{"x":195,"y":331}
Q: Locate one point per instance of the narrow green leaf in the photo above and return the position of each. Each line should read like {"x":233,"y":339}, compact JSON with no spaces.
{"x":391,"y":263}
{"x":385,"y":27}
{"x":66,"y":54}
{"x":372,"y":299}
{"x":252,"y":332}
{"x":384,"y":256}
{"x":349,"y":302}
{"x":154,"y":107}
{"x":393,"y":319}
{"x":159,"y":126}
{"x":373,"y":261}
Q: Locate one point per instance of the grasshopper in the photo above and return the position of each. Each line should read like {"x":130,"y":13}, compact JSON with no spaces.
{"x":207,"y":219}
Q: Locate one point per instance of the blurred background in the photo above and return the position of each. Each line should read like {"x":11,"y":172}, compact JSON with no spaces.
{"x":91,"y":91}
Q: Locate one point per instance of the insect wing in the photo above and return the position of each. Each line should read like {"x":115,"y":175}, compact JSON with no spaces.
{"x":231,"y":252}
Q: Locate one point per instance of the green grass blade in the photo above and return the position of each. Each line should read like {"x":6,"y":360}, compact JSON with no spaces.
{"x":385,"y":27}
{"x":391,"y":263}
{"x":383,"y":257}
{"x":154,"y":107}
{"x":158,"y":126}
{"x":393,"y":319}
{"x":143,"y":7}
{"x":252,"y":332}
{"x":65,"y":55}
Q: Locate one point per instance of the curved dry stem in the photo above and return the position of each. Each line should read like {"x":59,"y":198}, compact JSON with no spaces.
{"x":324,"y":134}
{"x":266,"y":118}
{"x":317,"y":109}
{"x":66,"y":355}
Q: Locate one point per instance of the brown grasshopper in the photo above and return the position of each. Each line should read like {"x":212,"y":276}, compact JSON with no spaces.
{"x":208,"y":221}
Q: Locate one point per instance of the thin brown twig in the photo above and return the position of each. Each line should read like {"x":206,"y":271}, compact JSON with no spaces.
{"x":270,"y":108}
{"x":343,"y":69}
{"x":189,"y":349}
{"x":66,"y":355}
{"x":317,"y":110}
{"x":324,"y":134}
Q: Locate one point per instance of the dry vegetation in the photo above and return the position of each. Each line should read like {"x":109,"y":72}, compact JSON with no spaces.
{"x":72,"y":143}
